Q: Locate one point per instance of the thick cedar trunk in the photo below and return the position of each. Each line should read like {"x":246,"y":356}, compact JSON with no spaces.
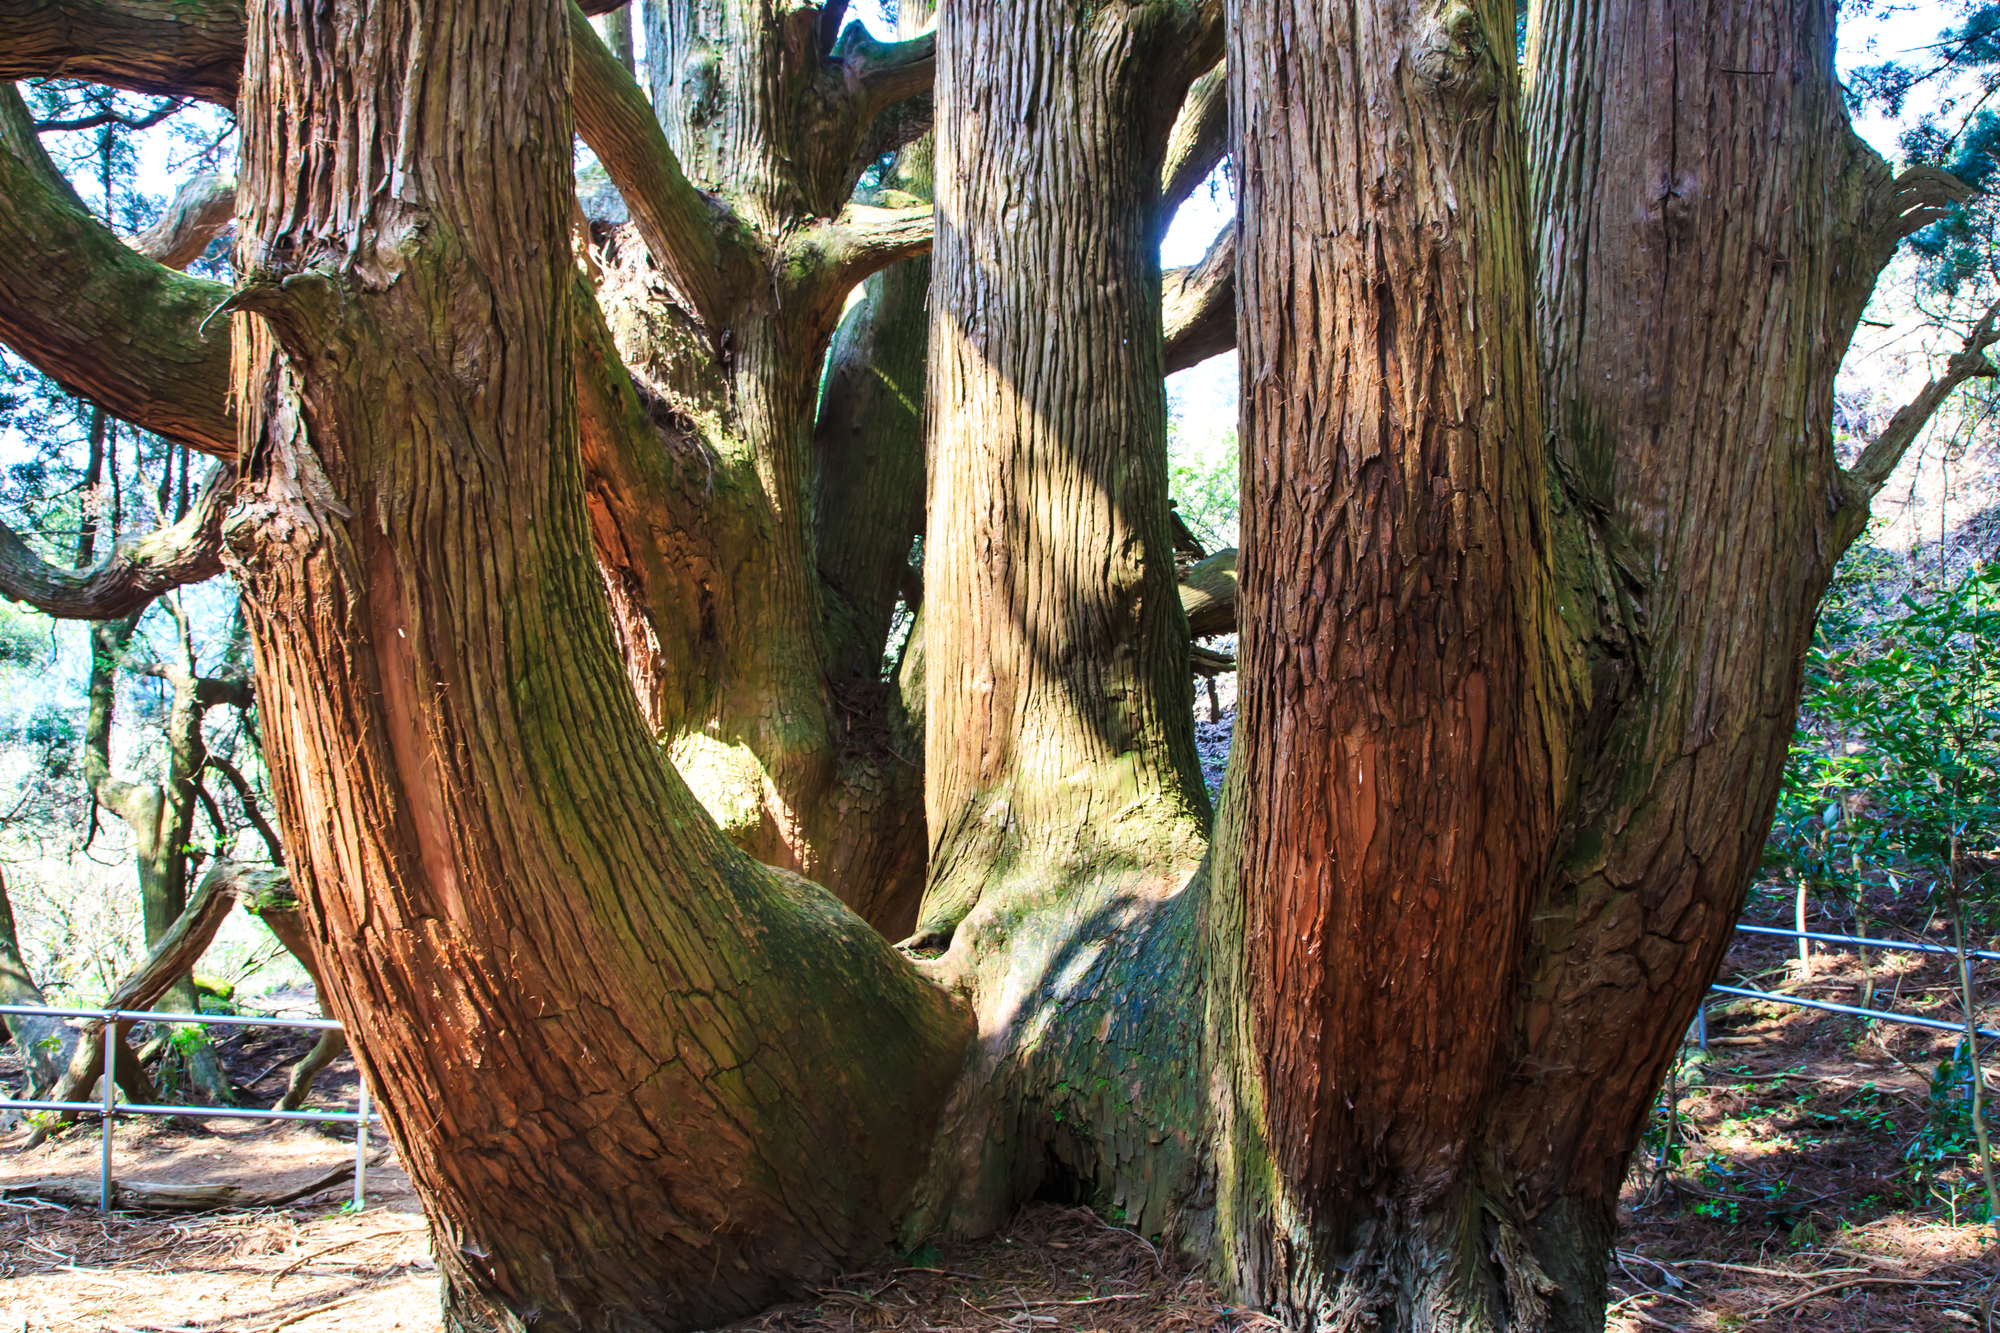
{"x":1690,"y":366}
{"x":868,"y":510}
{"x":1065,"y":807}
{"x":1394,"y":786}
{"x":1506,"y":703}
{"x":567,"y":988}
{"x":795,"y":762}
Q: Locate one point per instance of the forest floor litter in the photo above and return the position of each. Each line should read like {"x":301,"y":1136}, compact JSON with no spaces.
{"x":1811,"y":1185}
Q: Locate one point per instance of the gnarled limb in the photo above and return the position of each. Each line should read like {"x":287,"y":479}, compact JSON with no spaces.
{"x":189,"y":48}
{"x":1198,"y":305}
{"x":679,"y":223}
{"x":101,"y":319}
{"x":878,"y":74}
{"x":864,"y":240}
{"x":169,"y":960}
{"x":200,"y":211}
{"x":1198,"y":140}
{"x":132,"y":575}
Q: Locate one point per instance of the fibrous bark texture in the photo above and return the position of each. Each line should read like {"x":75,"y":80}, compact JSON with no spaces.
{"x":1395,"y":776}
{"x":1521,"y":621}
{"x":566,"y":986}
{"x":1066,"y":810}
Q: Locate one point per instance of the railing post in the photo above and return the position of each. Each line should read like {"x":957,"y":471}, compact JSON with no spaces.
{"x":110,"y":1097}
{"x":361,"y":1143}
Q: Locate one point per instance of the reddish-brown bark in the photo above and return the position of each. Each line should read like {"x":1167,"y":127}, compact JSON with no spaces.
{"x":564,"y":985}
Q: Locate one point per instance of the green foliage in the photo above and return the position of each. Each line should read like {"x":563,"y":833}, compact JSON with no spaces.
{"x":1947,"y":1136}
{"x":1201,"y":476}
{"x":1960,"y":134}
{"x":1897,"y":758}
{"x":25,"y":638}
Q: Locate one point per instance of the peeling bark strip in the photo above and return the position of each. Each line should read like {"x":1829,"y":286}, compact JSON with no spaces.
{"x":712,"y":1078}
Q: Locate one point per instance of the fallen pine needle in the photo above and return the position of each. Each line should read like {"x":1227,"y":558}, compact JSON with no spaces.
{"x":1043,"y":1305}
{"x":1770,"y":1272}
{"x":1645,"y":1318}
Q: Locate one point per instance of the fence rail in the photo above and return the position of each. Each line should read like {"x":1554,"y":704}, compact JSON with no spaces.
{"x":1879,"y":1015}
{"x":108,"y":1109}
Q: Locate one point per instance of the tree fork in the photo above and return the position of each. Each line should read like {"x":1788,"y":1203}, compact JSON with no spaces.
{"x":493,"y":858}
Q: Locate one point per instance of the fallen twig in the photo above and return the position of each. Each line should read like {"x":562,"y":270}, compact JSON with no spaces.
{"x":1817,"y":1292}
{"x":294,"y":1318}
{"x":301,"y":1262}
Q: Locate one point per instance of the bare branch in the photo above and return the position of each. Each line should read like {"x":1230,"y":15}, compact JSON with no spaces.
{"x":200,"y":211}
{"x":190,"y":48}
{"x":102,"y":118}
{"x":131,"y":576}
{"x":1198,"y":305}
{"x":678,"y":222}
{"x":1860,"y":483}
{"x":1198,"y":140}
{"x":102,"y":320}
{"x":248,"y":796}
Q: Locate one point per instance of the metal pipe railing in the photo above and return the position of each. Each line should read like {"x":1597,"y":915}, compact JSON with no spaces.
{"x":108,"y":1109}
{"x":1879,"y":1015}
{"x":1907,"y":1020}
{"x":1893,"y":946}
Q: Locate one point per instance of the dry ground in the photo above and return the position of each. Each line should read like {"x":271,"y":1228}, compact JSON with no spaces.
{"x":1800,"y":1200}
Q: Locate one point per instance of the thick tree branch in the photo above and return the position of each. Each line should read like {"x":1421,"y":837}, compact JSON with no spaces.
{"x":131,"y":576}
{"x":189,"y":48}
{"x":1198,"y":305}
{"x":1208,"y":595}
{"x":1860,"y":484}
{"x":864,"y":240}
{"x":678,"y":222}
{"x":200,"y":211}
{"x":1198,"y":140}
{"x":209,"y":691}
{"x":194,"y":48}
{"x":102,"y":320}
{"x":879,"y":74}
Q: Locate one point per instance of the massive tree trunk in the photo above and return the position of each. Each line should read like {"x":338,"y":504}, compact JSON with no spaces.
{"x":1521,"y":623}
{"x":1065,"y":804}
{"x":564,"y":985}
{"x":1400,"y":750}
